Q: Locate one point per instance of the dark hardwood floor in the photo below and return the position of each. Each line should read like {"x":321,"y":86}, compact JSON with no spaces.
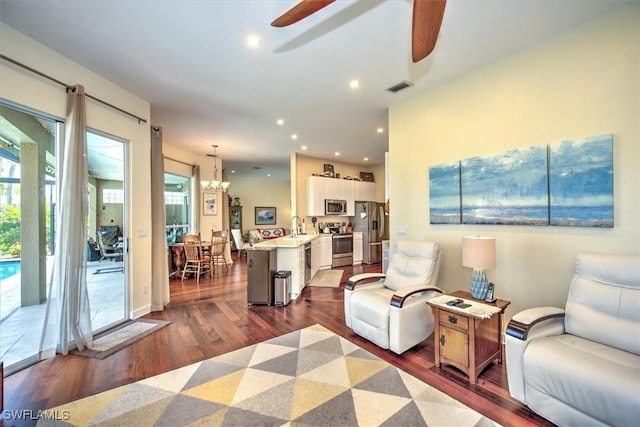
{"x":214,"y":318}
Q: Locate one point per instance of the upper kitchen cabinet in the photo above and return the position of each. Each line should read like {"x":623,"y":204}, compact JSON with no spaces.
{"x":321,"y":188}
{"x":315,"y":196}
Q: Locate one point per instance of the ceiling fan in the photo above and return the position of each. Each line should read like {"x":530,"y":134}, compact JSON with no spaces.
{"x":427,"y":18}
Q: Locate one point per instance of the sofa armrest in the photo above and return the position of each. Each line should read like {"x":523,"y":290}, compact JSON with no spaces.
{"x":401,"y":295}
{"x":355,"y":280}
{"x":522,"y":323}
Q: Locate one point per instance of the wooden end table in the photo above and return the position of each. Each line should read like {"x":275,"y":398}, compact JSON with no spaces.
{"x":466,"y":341}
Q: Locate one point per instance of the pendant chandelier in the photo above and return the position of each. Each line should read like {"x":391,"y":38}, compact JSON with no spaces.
{"x":215,"y":185}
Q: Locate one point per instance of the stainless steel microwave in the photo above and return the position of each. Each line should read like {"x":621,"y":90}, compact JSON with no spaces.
{"x":335,"y":207}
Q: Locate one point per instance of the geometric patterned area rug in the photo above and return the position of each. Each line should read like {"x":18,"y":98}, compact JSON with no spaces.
{"x":113,"y":340}
{"x":310,"y":377}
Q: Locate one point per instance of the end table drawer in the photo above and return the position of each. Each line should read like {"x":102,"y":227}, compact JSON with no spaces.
{"x":453,"y":320}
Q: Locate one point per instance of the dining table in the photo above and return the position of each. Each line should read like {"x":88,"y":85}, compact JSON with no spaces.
{"x":178,"y":256}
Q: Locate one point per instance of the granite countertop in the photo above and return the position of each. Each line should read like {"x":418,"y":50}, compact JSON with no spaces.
{"x":286,"y":241}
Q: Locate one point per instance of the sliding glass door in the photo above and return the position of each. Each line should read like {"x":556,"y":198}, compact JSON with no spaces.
{"x":106,"y":231}
{"x":27,"y":228}
{"x":28,"y":198}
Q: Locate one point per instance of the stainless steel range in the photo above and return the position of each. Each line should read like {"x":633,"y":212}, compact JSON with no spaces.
{"x":342,"y":250}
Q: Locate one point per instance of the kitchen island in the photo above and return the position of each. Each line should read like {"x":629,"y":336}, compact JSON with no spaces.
{"x":295,"y":254}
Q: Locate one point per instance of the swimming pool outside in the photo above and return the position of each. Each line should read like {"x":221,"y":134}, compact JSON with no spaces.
{"x":9,"y":267}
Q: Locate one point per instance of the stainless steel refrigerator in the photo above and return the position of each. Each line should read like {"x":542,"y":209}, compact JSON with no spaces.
{"x":261,"y":267}
{"x":372,"y":222}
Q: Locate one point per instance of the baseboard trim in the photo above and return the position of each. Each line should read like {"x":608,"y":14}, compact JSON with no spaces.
{"x":140,"y":312}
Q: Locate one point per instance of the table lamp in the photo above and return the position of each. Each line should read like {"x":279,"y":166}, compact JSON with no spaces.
{"x":479,"y":253}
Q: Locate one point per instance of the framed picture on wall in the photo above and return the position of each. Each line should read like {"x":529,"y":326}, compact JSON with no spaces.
{"x":210,"y":203}
{"x":266,"y":216}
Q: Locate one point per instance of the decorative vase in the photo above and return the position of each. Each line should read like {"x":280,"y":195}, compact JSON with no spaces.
{"x":479,"y":284}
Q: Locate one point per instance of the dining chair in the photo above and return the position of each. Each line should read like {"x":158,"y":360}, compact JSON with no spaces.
{"x":190,"y":238}
{"x":196,"y":261}
{"x":240,"y":245}
{"x":220,"y":233}
{"x":218,"y":246}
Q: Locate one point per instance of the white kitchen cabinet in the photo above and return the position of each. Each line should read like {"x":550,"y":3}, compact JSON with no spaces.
{"x":320,"y":188}
{"x":326,"y":251}
{"x":315,"y":195}
{"x":357,"y":248}
{"x":333,"y":189}
{"x":348,"y":194}
{"x":292,"y":259}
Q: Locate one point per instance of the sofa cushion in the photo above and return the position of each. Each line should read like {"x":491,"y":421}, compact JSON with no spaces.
{"x":255,"y":236}
{"x":587,"y":376}
{"x":271,"y":233}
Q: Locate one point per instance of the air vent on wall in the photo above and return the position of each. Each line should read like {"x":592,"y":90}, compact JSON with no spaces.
{"x":399,"y":86}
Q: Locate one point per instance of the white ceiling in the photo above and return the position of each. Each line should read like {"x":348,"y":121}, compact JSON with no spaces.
{"x":189,"y":60}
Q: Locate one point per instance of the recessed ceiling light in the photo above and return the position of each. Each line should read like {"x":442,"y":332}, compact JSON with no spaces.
{"x":294,"y":136}
{"x":337,"y":153}
{"x":366,"y":159}
{"x":280,"y":122}
{"x":380,"y":130}
{"x":253,"y":41}
{"x":304,"y":147}
{"x":268,"y":174}
{"x":354,"y":84}
{"x":233,"y":171}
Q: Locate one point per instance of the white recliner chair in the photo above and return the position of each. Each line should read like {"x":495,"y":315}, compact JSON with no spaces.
{"x":580,"y":365}
{"x":393,"y":312}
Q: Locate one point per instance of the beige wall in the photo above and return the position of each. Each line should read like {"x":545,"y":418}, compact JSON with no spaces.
{"x":26,"y":89}
{"x":262,"y":192}
{"x":582,"y":83}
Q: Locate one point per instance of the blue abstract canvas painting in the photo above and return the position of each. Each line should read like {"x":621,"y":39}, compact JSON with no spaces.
{"x":581,"y":182}
{"x":506,"y":188}
{"x":444,"y":193}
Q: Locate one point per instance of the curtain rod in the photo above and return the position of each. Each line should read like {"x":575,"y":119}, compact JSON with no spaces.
{"x":41,"y":74}
{"x":180,"y":161}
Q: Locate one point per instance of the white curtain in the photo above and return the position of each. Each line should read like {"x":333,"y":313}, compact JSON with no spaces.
{"x":68,"y":317}
{"x":159,"y":257}
{"x":195,"y":202}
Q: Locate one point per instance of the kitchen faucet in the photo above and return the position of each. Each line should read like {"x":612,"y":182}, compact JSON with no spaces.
{"x":294,"y":227}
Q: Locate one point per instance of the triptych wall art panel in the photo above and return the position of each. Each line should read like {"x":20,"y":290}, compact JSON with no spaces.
{"x":569,"y":183}
{"x":444,"y":191}
{"x":581,"y":182}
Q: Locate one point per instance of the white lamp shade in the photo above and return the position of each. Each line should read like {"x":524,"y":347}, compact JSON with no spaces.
{"x":479,"y":252}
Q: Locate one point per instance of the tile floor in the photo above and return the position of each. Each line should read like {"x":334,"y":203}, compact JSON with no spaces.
{"x":20,"y":327}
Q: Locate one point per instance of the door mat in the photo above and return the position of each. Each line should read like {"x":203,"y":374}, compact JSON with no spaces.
{"x":113,"y":340}
{"x":326,"y":279}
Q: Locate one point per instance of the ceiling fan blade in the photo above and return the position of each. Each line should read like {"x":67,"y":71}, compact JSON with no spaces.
{"x":427,"y":18}
{"x":300,"y":11}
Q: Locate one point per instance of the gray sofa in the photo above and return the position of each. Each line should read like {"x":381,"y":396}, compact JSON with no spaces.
{"x":580,"y":366}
